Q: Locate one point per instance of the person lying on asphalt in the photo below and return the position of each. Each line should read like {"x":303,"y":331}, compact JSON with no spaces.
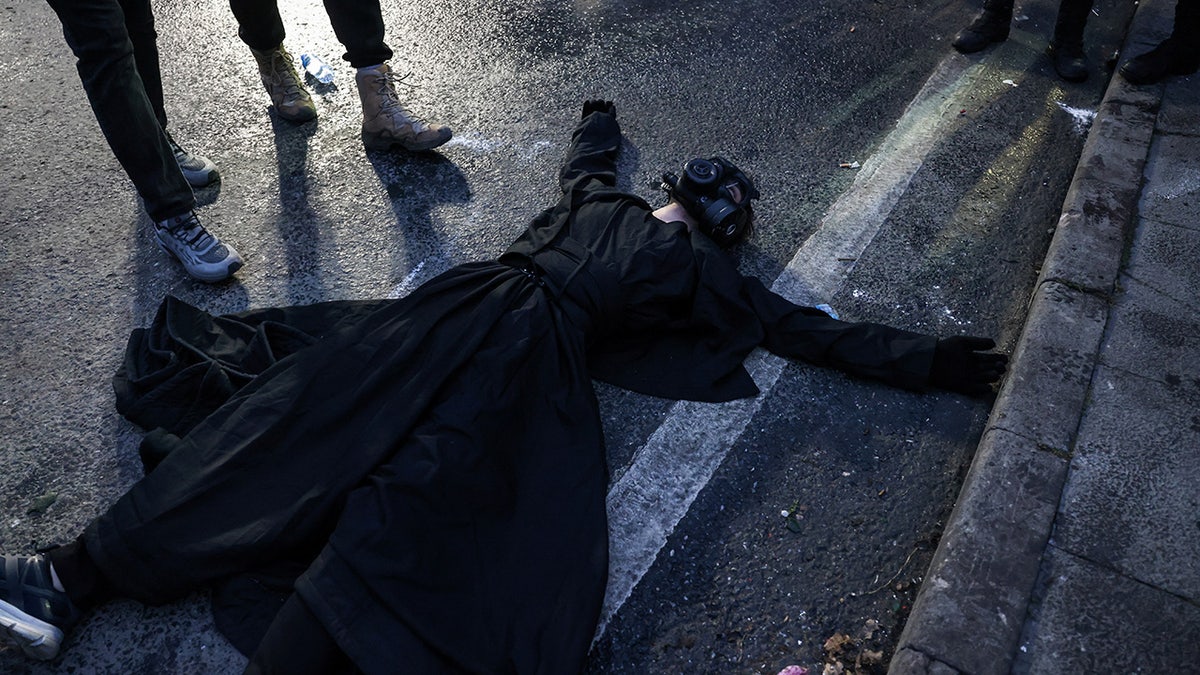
{"x":422,"y":481}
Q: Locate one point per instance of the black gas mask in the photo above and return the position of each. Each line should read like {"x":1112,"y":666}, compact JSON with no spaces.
{"x":706,"y":190}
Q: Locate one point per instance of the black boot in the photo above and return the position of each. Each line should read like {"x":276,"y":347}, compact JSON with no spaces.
{"x":990,"y":26}
{"x":1069,"y":61}
{"x":1165,"y":60}
{"x":1177,"y":55}
{"x":1067,"y":46}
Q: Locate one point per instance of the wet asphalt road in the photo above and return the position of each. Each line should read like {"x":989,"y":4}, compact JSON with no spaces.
{"x":788,"y":90}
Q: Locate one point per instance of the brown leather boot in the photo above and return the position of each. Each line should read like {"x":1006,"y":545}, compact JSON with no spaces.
{"x":284,"y":86}
{"x":386,"y":123}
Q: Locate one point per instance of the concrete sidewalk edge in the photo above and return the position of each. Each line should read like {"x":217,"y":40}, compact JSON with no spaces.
{"x":970,"y":611}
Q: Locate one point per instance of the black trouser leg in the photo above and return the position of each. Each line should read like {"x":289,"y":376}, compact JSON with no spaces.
{"x":358,"y":25}
{"x":84,"y":582}
{"x":259,"y":23}
{"x":109,"y":66}
{"x":1072,"y":19}
{"x":139,"y":20}
{"x":1066,"y":47}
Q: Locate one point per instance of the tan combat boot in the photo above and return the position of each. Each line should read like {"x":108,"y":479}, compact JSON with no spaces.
{"x":284,"y":85}
{"x":385,"y":122}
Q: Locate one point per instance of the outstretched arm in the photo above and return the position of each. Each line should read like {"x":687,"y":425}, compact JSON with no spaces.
{"x":896,"y":356}
{"x":594,"y":145}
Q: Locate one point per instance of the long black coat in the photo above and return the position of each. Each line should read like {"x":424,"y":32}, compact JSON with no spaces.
{"x":436,"y":463}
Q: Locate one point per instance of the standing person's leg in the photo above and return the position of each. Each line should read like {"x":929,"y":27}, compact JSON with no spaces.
{"x":139,"y":22}
{"x":359,"y":26}
{"x":1066,"y":47}
{"x":991,"y":25}
{"x":1179,"y":54}
{"x":261,"y":28}
{"x":259,"y":23}
{"x":97,"y":34}
{"x":199,"y":171}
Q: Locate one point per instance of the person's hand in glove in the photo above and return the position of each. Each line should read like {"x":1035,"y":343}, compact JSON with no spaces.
{"x":960,"y":364}
{"x":597,"y":105}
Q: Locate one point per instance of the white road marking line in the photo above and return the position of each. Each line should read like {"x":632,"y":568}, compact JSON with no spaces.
{"x":680,"y":457}
{"x":408,"y":283}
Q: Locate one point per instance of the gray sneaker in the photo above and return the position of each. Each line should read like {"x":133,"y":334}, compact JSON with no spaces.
{"x":198,"y":170}
{"x":202,"y":254}
{"x":33,"y":614}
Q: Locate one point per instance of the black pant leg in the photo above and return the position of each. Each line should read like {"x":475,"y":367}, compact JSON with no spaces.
{"x":358,"y":25}
{"x":139,"y":21}
{"x":259,"y":23}
{"x":97,"y":34}
{"x":85,"y":583}
{"x":1072,"y":19}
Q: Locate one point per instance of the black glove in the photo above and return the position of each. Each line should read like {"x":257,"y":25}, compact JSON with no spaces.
{"x":597,"y":105}
{"x":959,"y":365}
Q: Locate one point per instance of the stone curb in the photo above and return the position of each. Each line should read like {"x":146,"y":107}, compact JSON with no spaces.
{"x":971,"y":608}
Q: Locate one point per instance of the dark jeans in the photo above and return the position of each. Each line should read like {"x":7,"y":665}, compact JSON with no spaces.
{"x":114,"y":42}
{"x":358,"y":25}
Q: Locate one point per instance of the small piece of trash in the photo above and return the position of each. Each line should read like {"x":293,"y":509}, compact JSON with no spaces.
{"x":40,"y":504}
{"x":794,"y":670}
{"x":1010,"y":83}
{"x":849,"y":165}
{"x":851,"y":29}
{"x":837,"y":643}
{"x":869,"y":657}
